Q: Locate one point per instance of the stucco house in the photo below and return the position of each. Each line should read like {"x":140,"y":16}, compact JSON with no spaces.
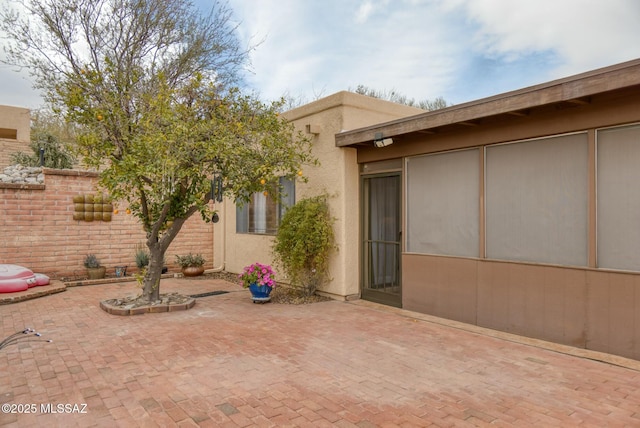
{"x":15,"y":131}
{"x":519,"y":212}
{"x":244,"y":235}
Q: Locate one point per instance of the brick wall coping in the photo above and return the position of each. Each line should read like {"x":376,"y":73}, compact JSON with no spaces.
{"x":49,"y":171}
{"x":22,"y":186}
{"x":70,"y":172}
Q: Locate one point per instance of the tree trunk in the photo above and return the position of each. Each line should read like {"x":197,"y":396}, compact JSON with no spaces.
{"x":157,"y":249}
{"x":151,"y":288}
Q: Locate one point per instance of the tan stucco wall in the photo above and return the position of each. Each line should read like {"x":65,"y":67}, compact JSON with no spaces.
{"x":18,"y":119}
{"x":337,"y":175}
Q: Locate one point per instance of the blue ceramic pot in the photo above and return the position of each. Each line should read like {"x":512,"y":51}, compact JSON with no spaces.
{"x":260,"y":293}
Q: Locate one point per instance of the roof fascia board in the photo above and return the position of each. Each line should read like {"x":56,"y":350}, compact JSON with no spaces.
{"x":566,"y":89}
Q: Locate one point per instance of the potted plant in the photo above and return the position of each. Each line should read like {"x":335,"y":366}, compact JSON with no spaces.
{"x":94,"y":269}
{"x":260,"y":279}
{"x":191,"y":264}
{"x":121,"y":271}
{"x":304,"y":243}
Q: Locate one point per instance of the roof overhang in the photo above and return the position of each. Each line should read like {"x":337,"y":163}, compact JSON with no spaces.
{"x":574,"y":90}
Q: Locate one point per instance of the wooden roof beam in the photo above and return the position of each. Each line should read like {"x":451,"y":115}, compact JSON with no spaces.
{"x":580,"y":101}
{"x":520,"y":113}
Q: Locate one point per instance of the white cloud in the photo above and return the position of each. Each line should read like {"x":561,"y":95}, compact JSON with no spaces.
{"x":583,"y":34}
{"x":426,"y":48}
{"x":326,"y":47}
{"x":17,"y":89}
{"x":369,"y":7}
{"x":460,"y":49}
{"x":364,"y":11}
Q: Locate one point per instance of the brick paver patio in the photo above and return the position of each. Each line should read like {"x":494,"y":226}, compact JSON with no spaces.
{"x":231,"y":363}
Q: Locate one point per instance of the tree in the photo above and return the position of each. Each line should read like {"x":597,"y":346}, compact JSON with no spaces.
{"x":149,"y":84}
{"x":393,"y":96}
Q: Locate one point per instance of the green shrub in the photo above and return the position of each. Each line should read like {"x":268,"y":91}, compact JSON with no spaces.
{"x":190,"y":260}
{"x":91,"y":261}
{"x":304,"y":243}
{"x":55,"y":154}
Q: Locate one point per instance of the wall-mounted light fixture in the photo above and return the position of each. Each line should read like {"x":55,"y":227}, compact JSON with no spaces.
{"x":217,"y":187}
{"x":380,"y":141}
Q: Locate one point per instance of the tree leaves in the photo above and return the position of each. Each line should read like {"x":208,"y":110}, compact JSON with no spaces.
{"x":147,"y":84}
{"x":304,"y":243}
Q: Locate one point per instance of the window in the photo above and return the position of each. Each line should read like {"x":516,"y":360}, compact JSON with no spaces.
{"x":262,"y":214}
{"x":537,"y":200}
{"x":9,"y":134}
{"x":619,"y":198}
{"x":443,"y":203}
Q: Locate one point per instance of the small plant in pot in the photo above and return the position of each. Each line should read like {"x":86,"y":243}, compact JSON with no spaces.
{"x":260,"y":279}
{"x":94,"y":269}
{"x":191,"y":264}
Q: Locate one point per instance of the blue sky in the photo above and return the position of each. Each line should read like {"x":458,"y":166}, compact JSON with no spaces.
{"x":461,"y":50}
{"x":458,"y":49}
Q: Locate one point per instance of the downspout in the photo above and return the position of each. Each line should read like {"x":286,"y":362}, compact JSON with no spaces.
{"x":224,"y":242}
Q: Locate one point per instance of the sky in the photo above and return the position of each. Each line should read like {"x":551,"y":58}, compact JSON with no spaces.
{"x":461,"y":50}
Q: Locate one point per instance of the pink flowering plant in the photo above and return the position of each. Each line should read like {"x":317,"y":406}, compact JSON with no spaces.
{"x":259,"y":274}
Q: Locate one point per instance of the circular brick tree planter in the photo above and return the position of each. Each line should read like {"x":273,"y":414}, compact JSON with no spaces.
{"x":171,"y":302}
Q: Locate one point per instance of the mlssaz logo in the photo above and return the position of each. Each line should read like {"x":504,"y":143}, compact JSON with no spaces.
{"x":63,"y":408}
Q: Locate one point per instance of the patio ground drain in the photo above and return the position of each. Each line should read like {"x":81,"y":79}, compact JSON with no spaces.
{"x":212,"y":293}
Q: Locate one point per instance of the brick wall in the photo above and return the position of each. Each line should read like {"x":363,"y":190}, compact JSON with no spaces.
{"x":37,"y":229}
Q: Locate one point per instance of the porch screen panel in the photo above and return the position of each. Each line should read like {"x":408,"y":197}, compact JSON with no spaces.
{"x":443,"y":203}
{"x":537,"y":200}
{"x":618,"y":203}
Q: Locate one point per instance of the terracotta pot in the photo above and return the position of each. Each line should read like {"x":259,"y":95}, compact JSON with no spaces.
{"x":96,"y":273}
{"x":193,"y":270}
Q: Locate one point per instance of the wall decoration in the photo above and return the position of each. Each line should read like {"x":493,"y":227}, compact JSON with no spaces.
{"x":90,"y":207}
